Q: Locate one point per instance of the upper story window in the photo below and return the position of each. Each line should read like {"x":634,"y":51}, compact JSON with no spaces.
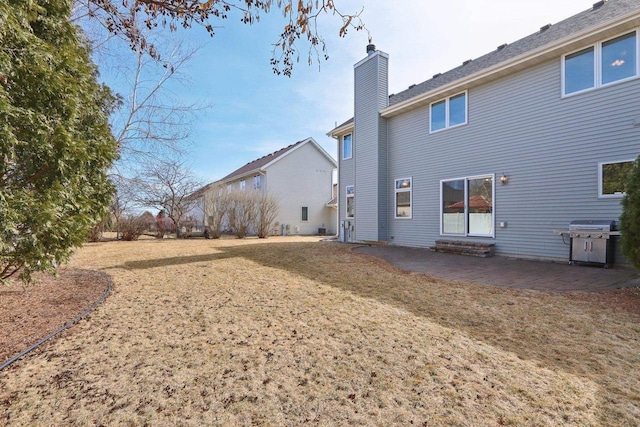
{"x":604,"y":63}
{"x":612,"y":178}
{"x":243,"y":185}
{"x":351,"y":201}
{"x":403,"y":198}
{"x":347,"y":147}
{"x":257,"y":182}
{"x":449,"y":112}
{"x":228,"y":188}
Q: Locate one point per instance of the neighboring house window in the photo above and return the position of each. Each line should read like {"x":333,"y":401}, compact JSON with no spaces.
{"x":604,"y":63}
{"x":347,"y":147}
{"x":449,"y":112}
{"x":228,"y":188}
{"x":403,"y":198}
{"x":351,"y":201}
{"x":467,"y":206}
{"x":612,"y":178}
{"x":257,"y":182}
{"x":243,"y":185}
{"x":305,"y":213}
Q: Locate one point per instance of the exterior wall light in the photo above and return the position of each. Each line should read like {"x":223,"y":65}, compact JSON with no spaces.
{"x":504,"y":179}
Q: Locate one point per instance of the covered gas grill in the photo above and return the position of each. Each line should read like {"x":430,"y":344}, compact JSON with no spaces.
{"x":591,"y":241}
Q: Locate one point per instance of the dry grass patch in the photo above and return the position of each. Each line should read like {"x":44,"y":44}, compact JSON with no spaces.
{"x":292,"y":331}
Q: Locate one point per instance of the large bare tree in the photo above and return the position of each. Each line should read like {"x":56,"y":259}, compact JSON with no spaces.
{"x":152,"y":123}
{"x":152,"y":120}
{"x":166,"y":186}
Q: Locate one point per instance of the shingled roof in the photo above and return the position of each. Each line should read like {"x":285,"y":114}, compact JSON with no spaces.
{"x":600,"y":12}
{"x":259,"y":163}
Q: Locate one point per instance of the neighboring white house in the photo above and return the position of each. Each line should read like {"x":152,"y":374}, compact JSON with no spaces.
{"x":501,"y":150}
{"x":300,"y":178}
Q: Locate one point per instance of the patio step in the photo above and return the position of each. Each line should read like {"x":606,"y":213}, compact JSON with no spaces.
{"x":482,"y":250}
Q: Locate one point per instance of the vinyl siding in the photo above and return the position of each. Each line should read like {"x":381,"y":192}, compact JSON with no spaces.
{"x":371,"y":95}
{"x":303,"y":178}
{"x":548,"y":146}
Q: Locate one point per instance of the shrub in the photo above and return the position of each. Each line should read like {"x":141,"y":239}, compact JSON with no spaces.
{"x":630,"y":218}
{"x":267,"y":211}
{"x":132,"y":227}
{"x":216,"y":204}
{"x":241,"y":212}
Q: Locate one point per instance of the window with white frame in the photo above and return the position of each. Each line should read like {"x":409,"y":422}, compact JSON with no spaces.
{"x":466,"y":206}
{"x":351,"y":201}
{"x":449,"y":112}
{"x":305,"y":213}
{"x":347,"y":147}
{"x":257,"y":182}
{"x":403,"y":197}
{"x":604,"y":63}
{"x":229,"y":188}
{"x":243,"y":185}
{"x":612,"y":178}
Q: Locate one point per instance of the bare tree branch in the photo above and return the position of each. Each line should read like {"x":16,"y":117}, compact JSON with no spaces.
{"x":166,"y":186}
{"x":129,"y":18}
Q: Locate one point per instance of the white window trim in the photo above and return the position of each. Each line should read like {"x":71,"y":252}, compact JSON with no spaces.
{"x":243,"y":185}
{"x":446,"y":112}
{"x":403,"y":190}
{"x":597,"y":59}
{"x":342,"y":146}
{"x":353,"y":195}
{"x":609,"y":196}
{"x":466,"y":206}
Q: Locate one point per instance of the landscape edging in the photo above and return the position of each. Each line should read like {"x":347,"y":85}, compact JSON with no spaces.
{"x":64,"y":327}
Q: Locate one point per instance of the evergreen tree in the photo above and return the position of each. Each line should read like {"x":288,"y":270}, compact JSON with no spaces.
{"x":55,"y":141}
{"x":630,"y":218}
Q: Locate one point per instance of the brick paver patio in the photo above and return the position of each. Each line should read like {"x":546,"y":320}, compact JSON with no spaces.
{"x":507,"y":272}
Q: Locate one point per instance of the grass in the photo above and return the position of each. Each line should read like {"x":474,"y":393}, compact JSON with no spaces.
{"x":293,"y":331}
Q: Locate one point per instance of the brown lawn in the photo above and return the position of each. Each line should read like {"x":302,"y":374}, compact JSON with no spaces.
{"x":293,"y":331}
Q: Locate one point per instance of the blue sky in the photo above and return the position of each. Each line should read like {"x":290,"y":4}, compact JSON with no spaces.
{"x":255,"y":112}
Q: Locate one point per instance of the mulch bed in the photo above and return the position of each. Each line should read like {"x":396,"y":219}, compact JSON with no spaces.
{"x":31,"y":312}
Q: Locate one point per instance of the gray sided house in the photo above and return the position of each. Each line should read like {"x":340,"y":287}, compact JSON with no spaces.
{"x":299,"y":176}
{"x":503,"y":149}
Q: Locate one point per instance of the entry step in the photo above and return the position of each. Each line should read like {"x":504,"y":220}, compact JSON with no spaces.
{"x":482,"y":250}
